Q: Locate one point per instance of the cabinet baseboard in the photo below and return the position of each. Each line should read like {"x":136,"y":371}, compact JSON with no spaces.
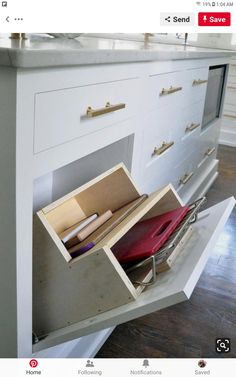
{"x":227,"y":138}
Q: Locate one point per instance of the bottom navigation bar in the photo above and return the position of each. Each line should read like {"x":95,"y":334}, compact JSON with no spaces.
{"x":117,"y":367}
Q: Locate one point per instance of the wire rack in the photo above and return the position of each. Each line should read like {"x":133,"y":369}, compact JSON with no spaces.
{"x":170,"y":245}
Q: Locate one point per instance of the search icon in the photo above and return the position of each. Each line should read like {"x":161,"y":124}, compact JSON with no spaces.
{"x":222,"y":345}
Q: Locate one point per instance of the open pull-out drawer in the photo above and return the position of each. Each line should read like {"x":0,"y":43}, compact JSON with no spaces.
{"x":75,"y":297}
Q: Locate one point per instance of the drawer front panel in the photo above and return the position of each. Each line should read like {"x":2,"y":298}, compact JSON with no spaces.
{"x":157,"y":173}
{"x":61,"y":116}
{"x":159,"y":146}
{"x":178,"y":88}
{"x":190,"y":129}
{"x":184,"y":171}
{"x":159,"y":123}
{"x":192,"y":119}
{"x":207,"y":141}
{"x":166,"y":89}
{"x":208,"y":155}
{"x":157,"y":167}
{"x":196,"y":84}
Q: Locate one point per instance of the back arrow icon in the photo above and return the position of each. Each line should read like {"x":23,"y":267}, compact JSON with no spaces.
{"x":7,"y":19}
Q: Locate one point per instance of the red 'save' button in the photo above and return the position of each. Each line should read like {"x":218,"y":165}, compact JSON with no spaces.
{"x":214,"y":19}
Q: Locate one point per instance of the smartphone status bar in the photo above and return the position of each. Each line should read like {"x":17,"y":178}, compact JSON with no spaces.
{"x":116,"y":16}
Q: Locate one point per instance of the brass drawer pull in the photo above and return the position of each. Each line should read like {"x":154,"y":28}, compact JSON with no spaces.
{"x":104,"y":110}
{"x":186,"y":178}
{"x":162,"y":149}
{"x":210,"y":151}
{"x":199,"y":82}
{"x":170,"y":90}
{"x":231,"y":87}
{"x":233,"y":65}
{"x":230,"y":116}
{"x":192,"y":127}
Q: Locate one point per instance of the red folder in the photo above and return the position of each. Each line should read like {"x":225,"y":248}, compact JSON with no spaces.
{"x":148,"y":236}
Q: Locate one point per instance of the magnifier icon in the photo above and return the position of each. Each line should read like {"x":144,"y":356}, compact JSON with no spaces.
{"x":222,"y":345}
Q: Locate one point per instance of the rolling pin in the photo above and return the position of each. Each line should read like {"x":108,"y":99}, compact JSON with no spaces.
{"x":89,"y":229}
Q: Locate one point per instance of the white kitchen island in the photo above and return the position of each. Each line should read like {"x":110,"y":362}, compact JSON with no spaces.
{"x":50,"y":146}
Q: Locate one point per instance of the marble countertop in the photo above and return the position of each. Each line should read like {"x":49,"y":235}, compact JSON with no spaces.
{"x":43,"y":51}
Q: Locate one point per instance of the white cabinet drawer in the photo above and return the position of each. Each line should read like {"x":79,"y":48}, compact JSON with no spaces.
{"x":184,"y":171}
{"x":207,"y":146}
{"x":158,"y":147}
{"x":177,"y":88}
{"x":196,"y":84}
{"x":171,"y":287}
{"x":160,"y":126}
{"x":157,"y":172}
{"x":208,"y":152}
{"x":192,"y":120}
{"x":61,"y":115}
{"x":166,"y":89}
{"x":190,"y":129}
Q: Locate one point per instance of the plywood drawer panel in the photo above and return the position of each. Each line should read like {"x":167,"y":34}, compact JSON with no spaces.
{"x":61,"y":115}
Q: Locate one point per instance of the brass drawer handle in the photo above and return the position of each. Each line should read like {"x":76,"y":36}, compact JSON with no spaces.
{"x":233,"y":65}
{"x":162,"y":149}
{"x":186,"y":177}
{"x":192,"y":127}
{"x":199,"y":82}
{"x":104,"y":110}
{"x":210,"y":151}
{"x":170,"y":90}
{"x":230,"y":116}
{"x":231,"y":87}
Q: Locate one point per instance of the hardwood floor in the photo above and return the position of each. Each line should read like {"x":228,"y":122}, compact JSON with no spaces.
{"x":190,"y":329}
